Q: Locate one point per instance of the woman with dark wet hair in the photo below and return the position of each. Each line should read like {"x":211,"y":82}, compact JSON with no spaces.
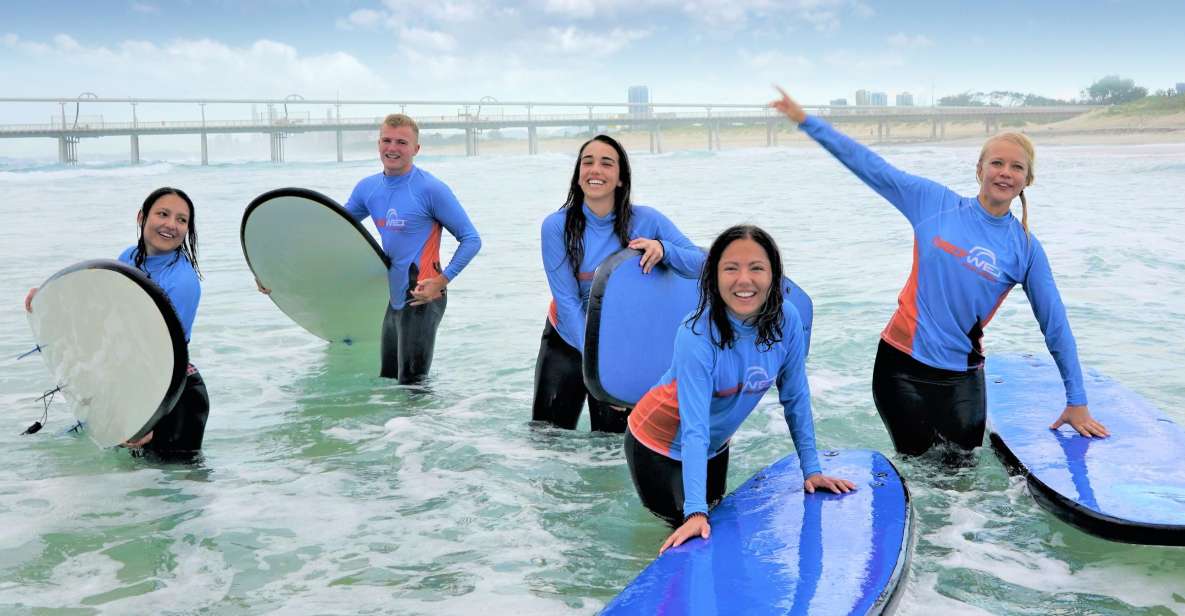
{"x":742,"y":339}
{"x":596,"y":221}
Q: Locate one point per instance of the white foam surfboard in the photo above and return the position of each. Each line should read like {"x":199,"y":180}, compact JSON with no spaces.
{"x":114,"y":346}
{"x":324,"y":270}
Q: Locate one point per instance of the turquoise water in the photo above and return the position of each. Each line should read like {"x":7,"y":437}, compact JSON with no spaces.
{"x":327,"y":490}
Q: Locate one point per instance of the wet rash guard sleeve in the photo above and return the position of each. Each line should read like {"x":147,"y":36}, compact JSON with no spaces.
{"x":565,"y":290}
{"x":795,"y":395}
{"x":1051,"y":315}
{"x":694,"y":363}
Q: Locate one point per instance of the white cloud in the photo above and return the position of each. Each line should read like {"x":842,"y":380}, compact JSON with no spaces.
{"x":849,"y":60}
{"x":427,"y":39}
{"x":192,"y":67}
{"x":574,"y":40}
{"x":144,"y":7}
{"x":361,"y":19}
{"x":902,"y":40}
{"x":774,"y":60}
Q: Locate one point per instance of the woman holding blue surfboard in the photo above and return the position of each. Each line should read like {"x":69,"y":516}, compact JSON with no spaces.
{"x":166,"y":251}
{"x":741,"y":340}
{"x":969,"y":252}
{"x":596,"y":221}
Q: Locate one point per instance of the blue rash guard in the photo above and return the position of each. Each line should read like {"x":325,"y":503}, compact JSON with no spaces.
{"x":173,"y":273}
{"x":708,"y":392}
{"x":569,"y":305}
{"x":408,"y":211}
{"x":965,"y":262}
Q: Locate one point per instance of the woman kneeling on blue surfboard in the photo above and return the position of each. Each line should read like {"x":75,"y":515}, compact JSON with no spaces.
{"x":969,"y":252}
{"x":740,"y":340}
{"x":596,"y":221}
{"x":166,"y":250}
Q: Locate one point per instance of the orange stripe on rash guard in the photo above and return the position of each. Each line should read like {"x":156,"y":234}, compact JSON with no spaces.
{"x":430,"y":254}
{"x":655,"y":419}
{"x":553,"y":314}
{"x":901,"y":328}
{"x":585,"y":275}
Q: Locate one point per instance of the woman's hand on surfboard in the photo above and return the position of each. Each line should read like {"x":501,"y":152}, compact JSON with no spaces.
{"x":819,"y":481}
{"x":1078,"y":416}
{"x":29,"y":299}
{"x":652,"y":252}
{"x":262,"y":289}
{"x":695,"y":526}
{"x":428,"y":290}
{"x":788,"y":107}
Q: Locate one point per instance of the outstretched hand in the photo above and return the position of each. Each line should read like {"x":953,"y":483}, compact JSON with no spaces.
{"x":788,"y":107}
{"x":695,"y":526}
{"x":819,"y":481}
{"x":1079,"y":418}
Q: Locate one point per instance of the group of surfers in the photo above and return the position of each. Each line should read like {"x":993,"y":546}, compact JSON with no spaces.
{"x":928,"y":377}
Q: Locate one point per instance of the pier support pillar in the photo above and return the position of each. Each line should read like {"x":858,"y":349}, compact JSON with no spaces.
{"x":933,"y":128}
{"x":532,"y":140}
{"x":67,"y":149}
{"x":769,"y":134}
{"x":942,"y":129}
{"x":135,"y":149}
{"x":658,"y":139}
{"x":339,"y":145}
{"x":278,"y":147}
{"x":880,"y":131}
{"x":652,"y":144}
{"x":470,"y":142}
{"x":205,"y":151}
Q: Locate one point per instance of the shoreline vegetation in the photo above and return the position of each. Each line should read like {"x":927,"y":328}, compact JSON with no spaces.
{"x":1150,"y":120}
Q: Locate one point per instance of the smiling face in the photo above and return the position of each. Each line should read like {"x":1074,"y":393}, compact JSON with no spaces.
{"x":398,"y":146}
{"x":744,"y":277}
{"x":166,"y":225}
{"x":1004,"y":170}
{"x":599,"y":175}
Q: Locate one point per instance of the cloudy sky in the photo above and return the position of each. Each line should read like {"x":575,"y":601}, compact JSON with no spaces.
{"x":580,"y":50}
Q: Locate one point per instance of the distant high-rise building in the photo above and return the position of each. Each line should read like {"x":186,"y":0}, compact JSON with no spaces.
{"x":1181,"y":88}
{"x":639,"y":99}
{"x":905,"y":99}
{"x":862,"y":98}
{"x":878,"y":99}
{"x":839,"y":102}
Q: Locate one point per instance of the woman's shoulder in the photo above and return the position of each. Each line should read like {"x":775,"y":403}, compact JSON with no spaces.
{"x":555,"y":221}
{"x":125,"y":257}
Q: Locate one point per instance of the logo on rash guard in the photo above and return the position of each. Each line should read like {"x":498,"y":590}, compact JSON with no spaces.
{"x":393,"y":220}
{"x":757,"y":380}
{"x":979,"y":259}
{"x":983,"y":262}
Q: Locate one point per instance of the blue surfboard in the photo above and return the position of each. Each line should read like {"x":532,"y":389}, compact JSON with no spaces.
{"x":632,"y":319}
{"x":775,"y":549}
{"x":1128,"y":487}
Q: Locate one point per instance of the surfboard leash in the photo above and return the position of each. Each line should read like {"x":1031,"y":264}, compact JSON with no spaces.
{"x":36,"y":349}
{"x":46,"y":399}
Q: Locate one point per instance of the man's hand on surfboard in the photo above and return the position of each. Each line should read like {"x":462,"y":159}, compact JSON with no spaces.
{"x":1078,"y":416}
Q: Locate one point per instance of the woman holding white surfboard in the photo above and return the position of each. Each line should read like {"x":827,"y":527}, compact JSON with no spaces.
{"x":166,"y":251}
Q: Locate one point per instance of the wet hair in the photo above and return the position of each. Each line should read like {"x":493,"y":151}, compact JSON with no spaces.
{"x":622,"y":208}
{"x":768,"y":319}
{"x":188,"y":246}
{"x":395,"y":120}
{"x":1023,"y":142}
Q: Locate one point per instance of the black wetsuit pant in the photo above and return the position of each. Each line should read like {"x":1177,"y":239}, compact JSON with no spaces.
{"x":409,"y":337}
{"x":179,"y":434}
{"x":559,"y":388}
{"x":659,"y":479}
{"x":922,"y":406}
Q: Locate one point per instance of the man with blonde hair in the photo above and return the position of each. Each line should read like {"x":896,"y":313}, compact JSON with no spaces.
{"x":409,"y":206}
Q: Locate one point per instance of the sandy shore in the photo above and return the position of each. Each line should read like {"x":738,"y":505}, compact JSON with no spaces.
{"x":1095,"y":128}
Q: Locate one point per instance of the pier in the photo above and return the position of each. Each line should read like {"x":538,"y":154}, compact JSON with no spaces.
{"x":295,"y":115}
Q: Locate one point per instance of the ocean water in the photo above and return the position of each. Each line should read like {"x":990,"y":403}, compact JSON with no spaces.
{"x":326,"y":490}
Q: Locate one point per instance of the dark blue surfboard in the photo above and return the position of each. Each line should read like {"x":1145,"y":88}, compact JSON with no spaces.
{"x":1128,"y":487}
{"x":629,"y":335}
{"x":776,"y":550}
